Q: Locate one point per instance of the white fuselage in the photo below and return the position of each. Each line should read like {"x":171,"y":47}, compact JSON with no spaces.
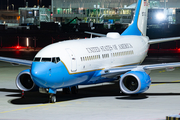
{"x":85,"y":55}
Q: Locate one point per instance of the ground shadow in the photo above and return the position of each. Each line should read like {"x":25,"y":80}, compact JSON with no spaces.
{"x":111,"y":90}
{"x":133,"y":97}
{"x":38,"y":98}
{"x":9,"y":90}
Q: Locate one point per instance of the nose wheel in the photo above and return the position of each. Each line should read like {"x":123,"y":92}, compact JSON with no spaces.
{"x":52,"y":98}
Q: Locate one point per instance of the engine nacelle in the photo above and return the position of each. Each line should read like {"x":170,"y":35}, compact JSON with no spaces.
{"x":25,"y":82}
{"x":134,"y":82}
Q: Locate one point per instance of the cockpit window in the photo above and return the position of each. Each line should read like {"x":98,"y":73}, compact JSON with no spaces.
{"x":53,"y":60}
{"x":57,"y":59}
{"x":46,"y":60}
{"x":37,"y":59}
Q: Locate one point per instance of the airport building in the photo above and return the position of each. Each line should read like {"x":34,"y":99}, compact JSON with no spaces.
{"x":112,"y":11}
{"x":33,"y":16}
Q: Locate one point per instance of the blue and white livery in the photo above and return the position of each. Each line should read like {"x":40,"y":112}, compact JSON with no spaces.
{"x":65,"y":65}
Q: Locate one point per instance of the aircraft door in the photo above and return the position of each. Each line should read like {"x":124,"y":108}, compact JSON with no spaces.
{"x":73,"y":60}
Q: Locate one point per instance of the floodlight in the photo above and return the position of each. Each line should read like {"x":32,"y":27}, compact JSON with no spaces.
{"x":160,"y":16}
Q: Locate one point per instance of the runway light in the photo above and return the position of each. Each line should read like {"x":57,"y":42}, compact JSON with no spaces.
{"x":27,"y":42}
{"x":18,"y":47}
{"x":160,"y":16}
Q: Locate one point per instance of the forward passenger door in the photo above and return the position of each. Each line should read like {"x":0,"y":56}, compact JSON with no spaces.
{"x":73,"y":60}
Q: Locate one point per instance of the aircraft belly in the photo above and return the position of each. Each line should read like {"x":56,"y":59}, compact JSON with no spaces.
{"x":76,"y":79}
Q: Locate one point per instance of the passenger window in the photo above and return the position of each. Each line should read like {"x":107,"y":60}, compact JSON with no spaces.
{"x":46,"y":60}
{"x":37,"y":59}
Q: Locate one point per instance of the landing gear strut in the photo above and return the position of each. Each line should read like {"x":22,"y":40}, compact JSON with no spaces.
{"x":70,"y":90}
{"x":74,"y":89}
{"x":52,"y":98}
{"x":66,"y":90}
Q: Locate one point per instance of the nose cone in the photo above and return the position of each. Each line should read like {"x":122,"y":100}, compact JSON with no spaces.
{"x":47,"y":74}
{"x":39,"y":73}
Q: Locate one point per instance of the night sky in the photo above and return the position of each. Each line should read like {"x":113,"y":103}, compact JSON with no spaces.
{"x":21,"y":3}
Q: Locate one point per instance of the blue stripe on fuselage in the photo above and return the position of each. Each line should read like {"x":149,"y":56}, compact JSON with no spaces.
{"x":51,"y":75}
{"x":133,"y":28}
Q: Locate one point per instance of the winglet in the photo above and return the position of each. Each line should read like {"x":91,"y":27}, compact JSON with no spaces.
{"x":139,"y":23}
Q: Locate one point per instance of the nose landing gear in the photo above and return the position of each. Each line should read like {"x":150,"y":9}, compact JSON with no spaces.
{"x":52,"y":92}
{"x":52,"y":98}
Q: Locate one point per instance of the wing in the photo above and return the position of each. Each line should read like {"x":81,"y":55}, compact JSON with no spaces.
{"x":114,"y":72}
{"x":154,"y":41}
{"x":16,"y":61}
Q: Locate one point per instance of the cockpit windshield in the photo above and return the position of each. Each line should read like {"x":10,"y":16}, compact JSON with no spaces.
{"x":43,"y":59}
{"x":46,"y":60}
{"x":37,"y":59}
{"x":57,"y":59}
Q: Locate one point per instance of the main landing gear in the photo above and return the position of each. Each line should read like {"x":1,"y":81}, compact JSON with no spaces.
{"x":70,"y":90}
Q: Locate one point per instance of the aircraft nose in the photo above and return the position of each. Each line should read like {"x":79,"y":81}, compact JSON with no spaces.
{"x":47,"y":75}
{"x":39,"y":73}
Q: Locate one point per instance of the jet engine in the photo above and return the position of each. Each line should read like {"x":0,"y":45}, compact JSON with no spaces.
{"x":25,"y":82}
{"x":134,"y":82}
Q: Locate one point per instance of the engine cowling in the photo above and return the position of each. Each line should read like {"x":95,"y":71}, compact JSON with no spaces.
{"x":25,"y":82}
{"x":134,"y":82}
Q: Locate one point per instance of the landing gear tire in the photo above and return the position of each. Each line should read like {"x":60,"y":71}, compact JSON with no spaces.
{"x":52,"y":98}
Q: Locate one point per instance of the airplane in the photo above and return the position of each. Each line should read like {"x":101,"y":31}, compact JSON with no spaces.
{"x":66,"y":65}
